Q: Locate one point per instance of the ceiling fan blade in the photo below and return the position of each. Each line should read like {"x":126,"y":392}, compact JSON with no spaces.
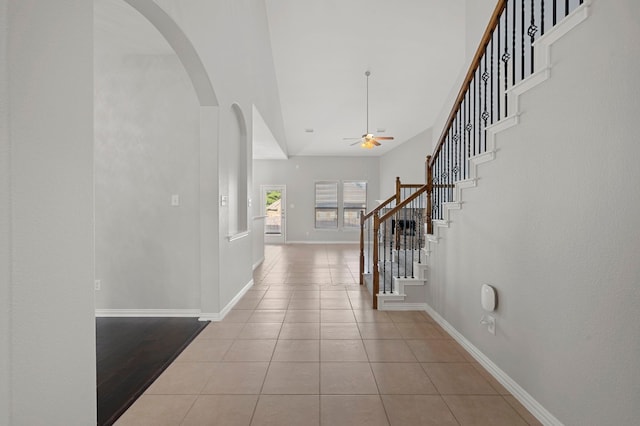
{"x":384,"y":138}
{"x":355,"y":143}
{"x":375,"y":142}
{"x":350,"y":139}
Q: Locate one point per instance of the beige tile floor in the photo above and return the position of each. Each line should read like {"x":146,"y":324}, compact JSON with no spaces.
{"x":304,"y":347}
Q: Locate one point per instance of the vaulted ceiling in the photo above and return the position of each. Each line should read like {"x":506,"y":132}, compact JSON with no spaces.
{"x":414,"y":50}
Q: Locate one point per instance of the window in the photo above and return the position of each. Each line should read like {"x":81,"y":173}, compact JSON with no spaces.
{"x":326,"y":205}
{"x":354,"y":199}
{"x":339,"y":209}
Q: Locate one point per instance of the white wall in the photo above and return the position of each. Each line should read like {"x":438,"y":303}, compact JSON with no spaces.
{"x":407,"y":161}
{"x":146,"y":149}
{"x":299,"y":174}
{"x":231,"y":39}
{"x":477,"y":15}
{"x":52,"y":330}
{"x":554,"y":226}
{"x":5,"y":225}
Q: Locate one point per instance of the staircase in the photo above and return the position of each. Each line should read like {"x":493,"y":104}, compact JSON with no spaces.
{"x":512,"y":58}
{"x":392,"y":248}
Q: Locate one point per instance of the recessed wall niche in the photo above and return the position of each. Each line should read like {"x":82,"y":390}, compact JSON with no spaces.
{"x":237,"y":168}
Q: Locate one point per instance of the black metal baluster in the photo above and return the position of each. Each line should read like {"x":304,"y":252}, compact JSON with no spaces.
{"x":454,"y":148}
{"x":522,"y":40}
{"x":449,"y":164}
{"x":460,"y":146}
{"x":473,"y":116}
{"x":491,"y":72}
{"x":392,"y":233}
{"x":531,"y":31}
{"x":414,"y":226}
{"x":566,"y":7}
{"x":542,"y":17}
{"x":420,"y":228}
{"x":463,"y":134}
{"x":434,"y":195}
{"x":440,"y":167}
{"x":505,"y":59}
{"x":384,"y":258}
{"x":404,"y":240}
{"x":498,"y":73}
{"x":468,"y":129}
{"x":478,"y":115}
{"x":369,"y":242}
{"x":554,"y":18}
{"x":513,"y":45}
{"x":485,"y":113}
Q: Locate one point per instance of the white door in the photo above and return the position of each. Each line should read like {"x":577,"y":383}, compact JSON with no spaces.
{"x":274,"y":209}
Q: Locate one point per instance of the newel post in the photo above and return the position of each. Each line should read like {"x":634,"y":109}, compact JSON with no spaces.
{"x":376,"y":276}
{"x":398,"y":186}
{"x":361,"y":247}
{"x":429,"y":196}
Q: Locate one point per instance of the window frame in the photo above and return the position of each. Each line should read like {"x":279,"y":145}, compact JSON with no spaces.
{"x":326,"y":209}
{"x":357,"y":209}
{"x":340,"y":208}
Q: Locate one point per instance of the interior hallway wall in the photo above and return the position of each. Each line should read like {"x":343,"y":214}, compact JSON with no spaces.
{"x":554,"y":226}
{"x":407,"y":162}
{"x":299,"y":174}
{"x":50,"y":102}
{"x":477,"y":15}
{"x":5,"y":224}
{"x":232,"y":39}
{"x":146,"y":150}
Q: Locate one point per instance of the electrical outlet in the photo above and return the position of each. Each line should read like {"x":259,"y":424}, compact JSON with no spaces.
{"x":97,"y":284}
{"x":491,"y":324}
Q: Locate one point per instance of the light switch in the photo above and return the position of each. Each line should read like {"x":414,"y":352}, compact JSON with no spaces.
{"x":175,"y":200}
{"x":223,"y":200}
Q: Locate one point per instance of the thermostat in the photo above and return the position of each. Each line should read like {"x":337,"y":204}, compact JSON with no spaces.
{"x":488,"y":298}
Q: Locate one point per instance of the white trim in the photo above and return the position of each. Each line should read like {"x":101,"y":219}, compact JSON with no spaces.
{"x":213,"y":316}
{"x":322,"y":242}
{"x":565,"y":25}
{"x":237,"y":236}
{"x":534,"y":407}
{"x":210,"y":317}
{"x":147,"y":313}
{"x":258,"y":263}
{"x":402,"y":306}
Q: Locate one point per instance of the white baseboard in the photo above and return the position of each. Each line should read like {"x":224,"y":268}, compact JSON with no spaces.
{"x":322,"y":242}
{"x":258,"y":263}
{"x":147,"y":313}
{"x":219,"y":316}
{"x":541,"y":413}
{"x":391,"y":306}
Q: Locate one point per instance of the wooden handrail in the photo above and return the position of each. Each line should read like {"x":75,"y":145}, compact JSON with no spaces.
{"x":413,"y":196}
{"x":380,"y":207}
{"x":486,"y":37}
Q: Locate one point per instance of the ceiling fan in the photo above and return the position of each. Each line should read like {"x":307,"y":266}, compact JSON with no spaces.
{"x":369,"y":140}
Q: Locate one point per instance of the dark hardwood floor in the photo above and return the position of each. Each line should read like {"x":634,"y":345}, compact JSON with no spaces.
{"x":132,"y":353}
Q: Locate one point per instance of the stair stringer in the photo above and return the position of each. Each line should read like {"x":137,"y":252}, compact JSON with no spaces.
{"x":394,"y":301}
{"x":543,"y":65}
